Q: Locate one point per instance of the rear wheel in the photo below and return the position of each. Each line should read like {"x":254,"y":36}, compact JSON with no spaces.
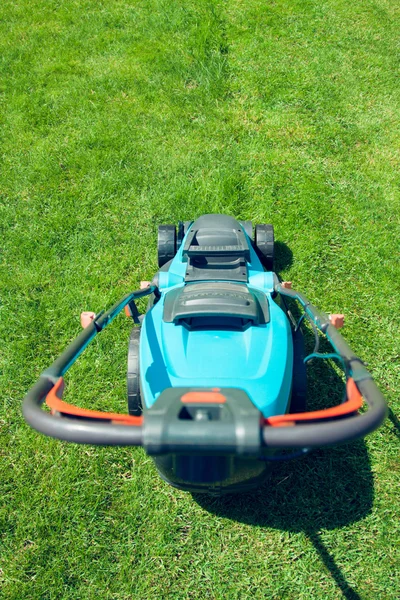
{"x":264,"y":244}
{"x":133,"y":377}
{"x":166,"y":245}
{"x":183,"y":226}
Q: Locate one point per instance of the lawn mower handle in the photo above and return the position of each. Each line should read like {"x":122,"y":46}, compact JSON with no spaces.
{"x":80,"y":430}
{"x":75,"y":430}
{"x":110,"y":432}
{"x":334,"y":431}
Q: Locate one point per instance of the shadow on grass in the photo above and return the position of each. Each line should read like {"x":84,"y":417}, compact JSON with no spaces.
{"x":283,"y":256}
{"x":395,"y":422}
{"x":328,"y":489}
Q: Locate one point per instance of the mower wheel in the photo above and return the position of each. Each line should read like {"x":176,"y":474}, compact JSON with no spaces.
{"x":166,"y":245}
{"x":183,"y":226}
{"x":299,"y":385}
{"x":264,"y":245}
{"x":133,"y":377}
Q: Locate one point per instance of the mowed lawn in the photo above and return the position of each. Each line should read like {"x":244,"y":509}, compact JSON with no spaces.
{"x":118,"y":116}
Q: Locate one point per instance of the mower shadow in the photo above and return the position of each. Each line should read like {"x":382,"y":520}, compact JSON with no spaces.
{"x":328,"y":489}
{"x":283,"y":256}
{"x":395,"y":422}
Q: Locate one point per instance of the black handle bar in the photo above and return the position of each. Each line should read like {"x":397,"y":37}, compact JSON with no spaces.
{"x":310,"y":435}
{"x":87,"y":431}
{"x":343,"y":430}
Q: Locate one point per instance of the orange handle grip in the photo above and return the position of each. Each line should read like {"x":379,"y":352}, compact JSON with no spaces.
{"x":55,"y":402}
{"x":353,"y":403}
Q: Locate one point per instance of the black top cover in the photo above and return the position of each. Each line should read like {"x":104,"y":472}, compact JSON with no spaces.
{"x":216,"y":247}
{"x":216,"y":300}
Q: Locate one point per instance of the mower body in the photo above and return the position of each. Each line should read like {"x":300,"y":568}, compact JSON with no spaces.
{"x":216,"y":324}
{"x":216,"y":367}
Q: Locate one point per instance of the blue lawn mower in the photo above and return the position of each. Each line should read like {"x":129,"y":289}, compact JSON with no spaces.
{"x":216,"y":366}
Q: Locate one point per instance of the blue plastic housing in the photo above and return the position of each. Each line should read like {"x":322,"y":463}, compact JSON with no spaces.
{"x":258,"y":360}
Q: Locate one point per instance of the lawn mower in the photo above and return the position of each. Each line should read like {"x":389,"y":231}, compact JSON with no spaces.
{"x":216,"y":366}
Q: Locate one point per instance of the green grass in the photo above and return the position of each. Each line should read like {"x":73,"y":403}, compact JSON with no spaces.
{"x":117,"y":116}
